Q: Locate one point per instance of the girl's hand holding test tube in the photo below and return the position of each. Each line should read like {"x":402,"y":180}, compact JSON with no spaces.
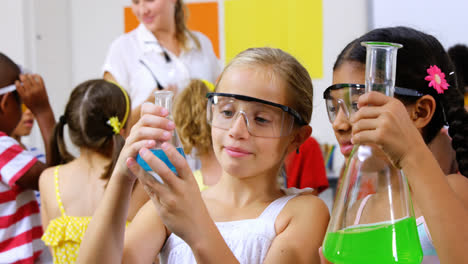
{"x":384,"y":121}
{"x":178,"y":201}
{"x":151,"y":127}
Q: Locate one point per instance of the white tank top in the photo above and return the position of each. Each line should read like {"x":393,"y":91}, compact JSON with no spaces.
{"x":249,"y":239}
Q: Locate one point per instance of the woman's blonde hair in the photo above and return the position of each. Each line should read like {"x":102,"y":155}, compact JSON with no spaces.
{"x":182,"y":30}
{"x":285,"y":67}
{"x":190,"y":118}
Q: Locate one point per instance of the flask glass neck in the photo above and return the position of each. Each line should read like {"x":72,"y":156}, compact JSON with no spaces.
{"x":381,"y":66}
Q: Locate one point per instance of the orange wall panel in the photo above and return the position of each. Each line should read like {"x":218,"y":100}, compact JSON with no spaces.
{"x":130,"y":20}
{"x":203,"y":17}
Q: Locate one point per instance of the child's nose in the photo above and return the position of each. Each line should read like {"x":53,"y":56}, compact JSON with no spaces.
{"x":144,"y":9}
{"x":341,"y":122}
{"x":239,"y":127}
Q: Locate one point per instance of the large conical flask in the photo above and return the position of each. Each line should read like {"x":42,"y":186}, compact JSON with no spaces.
{"x":373,"y":219}
{"x":164,"y":99}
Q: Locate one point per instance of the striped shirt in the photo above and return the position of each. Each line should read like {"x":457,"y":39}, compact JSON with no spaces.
{"x":20,"y":221}
{"x":40,"y":156}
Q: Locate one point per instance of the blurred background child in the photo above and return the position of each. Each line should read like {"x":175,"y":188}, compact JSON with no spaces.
{"x":195,"y":132}
{"x":305,"y":168}
{"x":96,"y":116}
{"x":19,"y":169}
{"x":23,"y":129}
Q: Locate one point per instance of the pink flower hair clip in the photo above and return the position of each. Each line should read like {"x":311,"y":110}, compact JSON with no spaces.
{"x":436,"y":79}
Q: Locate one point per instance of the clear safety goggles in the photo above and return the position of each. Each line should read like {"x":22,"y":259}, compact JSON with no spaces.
{"x":262,"y":118}
{"x":345,"y":96}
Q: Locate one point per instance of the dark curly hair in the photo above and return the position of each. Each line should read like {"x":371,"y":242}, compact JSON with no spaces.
{"x":459,"y":56}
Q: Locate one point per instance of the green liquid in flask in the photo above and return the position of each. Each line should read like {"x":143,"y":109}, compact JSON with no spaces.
{"x":382,"y":243}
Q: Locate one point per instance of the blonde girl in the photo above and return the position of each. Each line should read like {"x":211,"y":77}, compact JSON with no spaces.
{"x":259,"y":113}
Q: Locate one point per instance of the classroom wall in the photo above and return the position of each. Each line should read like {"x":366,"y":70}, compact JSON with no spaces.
{"x":12,"y":29}
{"x":94,"y":24}
{"x":78,"y":33}
{"x":444,"y":19}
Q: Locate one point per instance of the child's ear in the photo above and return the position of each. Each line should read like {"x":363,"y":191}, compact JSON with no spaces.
{"x":3,"y":102}
{"x":301,"y":135}
{"x":423,"y":111}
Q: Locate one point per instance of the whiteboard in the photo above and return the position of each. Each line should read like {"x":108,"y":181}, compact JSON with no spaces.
{"x":447,"y":20}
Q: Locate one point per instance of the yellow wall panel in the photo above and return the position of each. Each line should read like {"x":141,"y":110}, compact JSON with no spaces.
{"x":292,"y":25}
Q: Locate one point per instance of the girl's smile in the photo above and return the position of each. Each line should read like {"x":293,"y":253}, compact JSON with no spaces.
{"x":236,"y":152}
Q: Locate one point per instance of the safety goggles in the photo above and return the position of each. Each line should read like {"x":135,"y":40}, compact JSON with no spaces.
{"x":346,"y":95}
{"x":262,"y":118}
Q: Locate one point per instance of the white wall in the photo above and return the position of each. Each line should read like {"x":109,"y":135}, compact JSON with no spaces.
{"x":12,"y":29}
{"x":94,"y":24}
{"x":446,"y":20}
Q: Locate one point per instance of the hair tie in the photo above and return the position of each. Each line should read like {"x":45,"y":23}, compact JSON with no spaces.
{"x":209,"y":85}
{"x":114,"y":121}
{"x":62,"y":120}
{"x":115,"y":124}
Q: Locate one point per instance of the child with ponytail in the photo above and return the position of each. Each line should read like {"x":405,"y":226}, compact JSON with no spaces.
{"x":96,"y":116}
{"x":426,"y":98}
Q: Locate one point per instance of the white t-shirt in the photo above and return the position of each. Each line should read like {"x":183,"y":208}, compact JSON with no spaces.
{"x":136,"y":59}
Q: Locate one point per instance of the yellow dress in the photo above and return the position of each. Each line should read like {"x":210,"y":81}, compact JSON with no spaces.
{"x":63,"y":234}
